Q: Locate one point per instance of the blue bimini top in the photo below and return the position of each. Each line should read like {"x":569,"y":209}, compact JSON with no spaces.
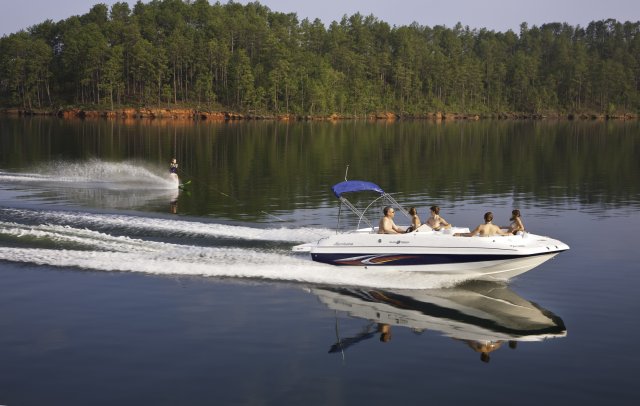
{"x":350,"y":186}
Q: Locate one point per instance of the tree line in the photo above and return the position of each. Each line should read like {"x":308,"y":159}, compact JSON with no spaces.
{"x":250,"y":59}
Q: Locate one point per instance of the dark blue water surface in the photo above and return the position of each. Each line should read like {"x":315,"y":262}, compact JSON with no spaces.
{"x":115,"y":288}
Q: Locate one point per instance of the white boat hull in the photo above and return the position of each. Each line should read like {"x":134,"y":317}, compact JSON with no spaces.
{"x":426,"y":250}
{"x":486,"y":258}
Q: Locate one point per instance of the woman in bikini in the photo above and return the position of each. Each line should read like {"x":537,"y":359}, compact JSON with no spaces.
{"x":435,"y":221}
{"x":415,"y":220}
{"x":516,"y":222}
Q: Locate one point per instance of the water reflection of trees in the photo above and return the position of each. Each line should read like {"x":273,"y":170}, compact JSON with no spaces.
{"x":283,"y":166}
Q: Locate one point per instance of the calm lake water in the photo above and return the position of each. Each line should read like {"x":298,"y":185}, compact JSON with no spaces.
{"x":117,"y":289}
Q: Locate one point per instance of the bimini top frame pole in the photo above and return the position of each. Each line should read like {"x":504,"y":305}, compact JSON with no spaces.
{"x":351,"y":186}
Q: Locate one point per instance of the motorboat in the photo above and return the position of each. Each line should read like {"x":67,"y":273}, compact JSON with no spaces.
{"x":425,"y":249}
{"x":481,"y":314}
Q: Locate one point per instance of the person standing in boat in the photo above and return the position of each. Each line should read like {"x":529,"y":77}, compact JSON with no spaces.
{"x":387,"y":226}
{"x":487,"y":229}
{"x":435,"y":221}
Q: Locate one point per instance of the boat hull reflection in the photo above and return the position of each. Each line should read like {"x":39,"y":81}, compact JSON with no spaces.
{"x":482,"y":314}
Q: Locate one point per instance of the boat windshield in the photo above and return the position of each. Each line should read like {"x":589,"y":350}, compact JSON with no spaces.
{"x":352,"y":187}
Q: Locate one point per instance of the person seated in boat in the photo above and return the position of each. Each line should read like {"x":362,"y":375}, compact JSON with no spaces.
{"x":516,"y":223}
{"x":488,"y":229}
{"x":173,"y":167}
{"x":435,"y":221}
{"x":387,"y":226}
{"x":415,"y":220}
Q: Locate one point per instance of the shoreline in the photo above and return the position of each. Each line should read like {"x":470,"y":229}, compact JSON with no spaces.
{"x":204,"y":115}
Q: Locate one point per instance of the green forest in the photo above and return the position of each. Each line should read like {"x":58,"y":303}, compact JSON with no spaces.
{"x":249,"y":59}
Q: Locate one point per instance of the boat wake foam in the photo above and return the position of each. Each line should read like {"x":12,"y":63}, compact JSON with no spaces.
{"x":227,"y":262}
{"x":93,"y":173}
{"x":75,"y":240}
{"x":128,"y":225}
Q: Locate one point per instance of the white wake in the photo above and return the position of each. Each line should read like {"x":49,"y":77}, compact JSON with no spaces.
{"x":100,"y":251}
{"x":93,"y":173}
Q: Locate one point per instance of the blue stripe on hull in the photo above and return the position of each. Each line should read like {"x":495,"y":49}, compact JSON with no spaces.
{"x":409,"y":259}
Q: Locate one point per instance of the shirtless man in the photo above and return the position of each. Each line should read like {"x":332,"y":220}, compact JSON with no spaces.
{"x":387,"y":226}
{"x":484,"y":230}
